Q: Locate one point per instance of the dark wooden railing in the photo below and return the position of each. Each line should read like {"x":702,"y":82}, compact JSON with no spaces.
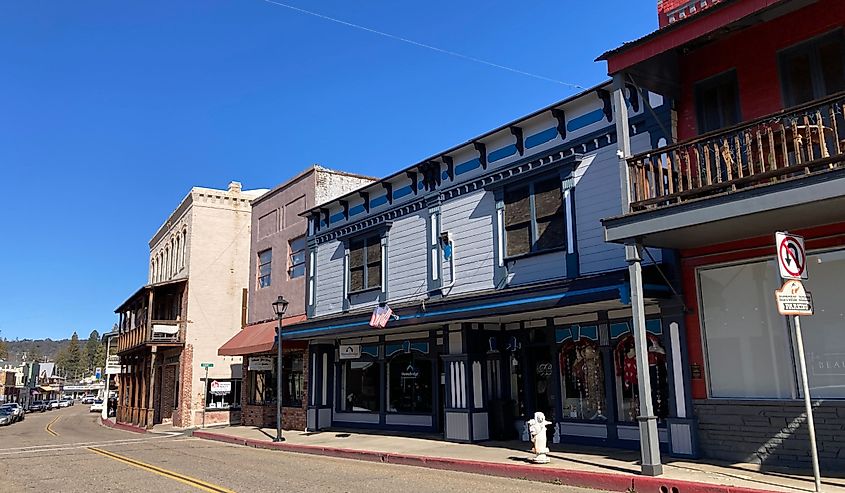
{"x":795,"y":142}
{"x":159,"y":332}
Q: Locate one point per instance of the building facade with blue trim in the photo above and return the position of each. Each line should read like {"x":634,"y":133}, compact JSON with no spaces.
{"x":505,"y":298}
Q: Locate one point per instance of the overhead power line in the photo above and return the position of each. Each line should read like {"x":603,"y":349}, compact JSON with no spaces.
{"x":423,"y":45}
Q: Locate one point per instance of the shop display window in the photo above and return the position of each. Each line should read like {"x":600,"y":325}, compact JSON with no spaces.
{"x":627,"y":391}
{"x":582,"y":380}
{"x":223,"y":393}
{"x":750,"y":347}
{"x":360,"y":389}
{"x":409,"y":384}
{"x":293,"y":380}
{"x":747,"y":340}
{"x":262,"y":387}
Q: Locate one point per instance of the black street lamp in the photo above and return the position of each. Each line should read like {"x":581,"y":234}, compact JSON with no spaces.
{"x":280,"y":306}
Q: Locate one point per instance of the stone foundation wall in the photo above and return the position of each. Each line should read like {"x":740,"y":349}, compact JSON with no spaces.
{"x":771,"y":432}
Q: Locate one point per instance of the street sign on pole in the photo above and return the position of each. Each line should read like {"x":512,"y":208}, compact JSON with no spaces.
{"x":207,"y":365}
{"x":793,"y":300}
{"x":792,"y":258}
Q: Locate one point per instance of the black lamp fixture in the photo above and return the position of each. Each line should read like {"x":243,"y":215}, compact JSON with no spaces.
{"x":280,"y":306}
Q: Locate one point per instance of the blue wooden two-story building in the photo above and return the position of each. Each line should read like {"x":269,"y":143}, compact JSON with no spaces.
{"x":506,"y":298}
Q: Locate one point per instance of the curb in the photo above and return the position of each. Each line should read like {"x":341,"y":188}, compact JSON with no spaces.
{"x":121,"y":426}
{"x":583,"y":479}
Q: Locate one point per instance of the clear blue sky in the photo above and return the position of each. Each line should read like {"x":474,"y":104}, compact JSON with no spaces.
{"x":111,"y":111}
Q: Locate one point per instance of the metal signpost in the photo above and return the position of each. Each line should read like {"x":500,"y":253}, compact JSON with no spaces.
{"x":794,"y":301}
{"x":205,"y":393}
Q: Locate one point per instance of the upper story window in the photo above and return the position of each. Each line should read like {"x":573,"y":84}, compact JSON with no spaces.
{"x":296,"y":257}
{"x":265,"y":260}
{"x":813,"y":69}
{"x":717,"y":102}
{"x":534,"y":217}
{"x":365,"y":263}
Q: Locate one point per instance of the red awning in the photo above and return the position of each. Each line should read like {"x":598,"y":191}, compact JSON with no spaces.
{"x":259,"y":338}
{"x":251,"y":339}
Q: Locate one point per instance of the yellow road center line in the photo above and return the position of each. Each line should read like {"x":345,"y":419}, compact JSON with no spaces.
{"x":196,"y":483}
{"x":49,"y":426}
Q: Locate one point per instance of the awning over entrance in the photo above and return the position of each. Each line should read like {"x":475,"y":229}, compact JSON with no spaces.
{"x":257,"y":338}
{"x":252,"y":339}
{"x":46,"y":388}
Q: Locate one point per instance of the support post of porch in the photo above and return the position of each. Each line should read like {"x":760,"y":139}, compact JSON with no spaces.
{"x":151,"y":393}
{"x":623,"y":137}
{"x":649,"y":439}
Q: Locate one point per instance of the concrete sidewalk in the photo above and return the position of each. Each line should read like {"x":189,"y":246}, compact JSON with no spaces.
{"x":591,"y":467}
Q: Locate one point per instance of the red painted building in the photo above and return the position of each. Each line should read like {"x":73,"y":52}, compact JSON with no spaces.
{"x":759,"y":91}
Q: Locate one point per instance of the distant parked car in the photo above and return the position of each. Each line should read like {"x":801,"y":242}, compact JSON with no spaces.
{"x":6,"y":416}
{"x":64,"y":403}
{"x":96,"y":406}
{"x":52,"y":405}
{"x":88,"y":399}
{"x":37,"y":406}
{"x":17,"y":410}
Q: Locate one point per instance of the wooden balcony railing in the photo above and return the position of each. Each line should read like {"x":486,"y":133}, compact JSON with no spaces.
{"x":792,"y":143}
{"x":160,"y":332}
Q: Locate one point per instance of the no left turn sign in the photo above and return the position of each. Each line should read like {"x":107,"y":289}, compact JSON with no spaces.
{"x":792,"y":258}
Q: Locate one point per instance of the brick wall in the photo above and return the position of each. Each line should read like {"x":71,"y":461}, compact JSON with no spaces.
{"x":182,"y":415}
{"x":771,"y":432}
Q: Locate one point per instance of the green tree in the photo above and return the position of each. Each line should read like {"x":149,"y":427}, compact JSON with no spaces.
{"x":91,"y":349}
{"x":70,"y":358}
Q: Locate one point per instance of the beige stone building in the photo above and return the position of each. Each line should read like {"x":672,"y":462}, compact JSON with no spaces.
{"x":194,"y":301}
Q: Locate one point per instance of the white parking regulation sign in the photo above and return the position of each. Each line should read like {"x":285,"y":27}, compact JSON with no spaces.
{"x":792,"y":258}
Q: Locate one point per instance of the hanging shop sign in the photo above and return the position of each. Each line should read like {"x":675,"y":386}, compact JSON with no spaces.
{"x":792,"y":258}
{"x":220,"y":388}
{"x":260,"y":363}
{"x":350,"y":351}
{"x":792,"y":299}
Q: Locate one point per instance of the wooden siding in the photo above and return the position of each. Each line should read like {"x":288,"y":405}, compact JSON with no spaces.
{"x":329,"y":289}
{"x":470,"y":220}
{"x":406,"y":257}
{"x":597,"y":196}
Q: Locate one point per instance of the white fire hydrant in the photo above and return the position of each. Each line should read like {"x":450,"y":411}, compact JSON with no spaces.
{"x":537,"y":429}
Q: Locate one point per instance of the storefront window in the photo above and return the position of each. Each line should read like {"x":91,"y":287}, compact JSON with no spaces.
{"x":262,"y":387}
{"x":627,"y":390}
{"x":824,"y":343}
{"x":748,"y":347}
{"x":409,"y":387}
{"x":582,"y":379}
{"x":360,"y":389}
{"x":223,"y":394}
{"x":292,"y":389}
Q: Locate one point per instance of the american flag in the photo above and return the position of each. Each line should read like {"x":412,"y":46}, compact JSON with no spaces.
{"x":381,"y":315}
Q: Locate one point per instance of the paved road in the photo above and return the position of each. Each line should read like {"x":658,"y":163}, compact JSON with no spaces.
{"x":66,"y":450}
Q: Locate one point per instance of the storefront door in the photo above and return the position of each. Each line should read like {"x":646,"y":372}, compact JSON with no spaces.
{"x":541,"y":382}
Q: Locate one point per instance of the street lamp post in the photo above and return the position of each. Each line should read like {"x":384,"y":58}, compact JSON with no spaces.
{"x":279,"y":307}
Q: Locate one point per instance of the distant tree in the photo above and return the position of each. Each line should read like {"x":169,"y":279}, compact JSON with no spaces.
{"x":91,"y":350}
{"x":33,"y":354}
{"x":4,"y":349}
{"x":70,"y":358}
